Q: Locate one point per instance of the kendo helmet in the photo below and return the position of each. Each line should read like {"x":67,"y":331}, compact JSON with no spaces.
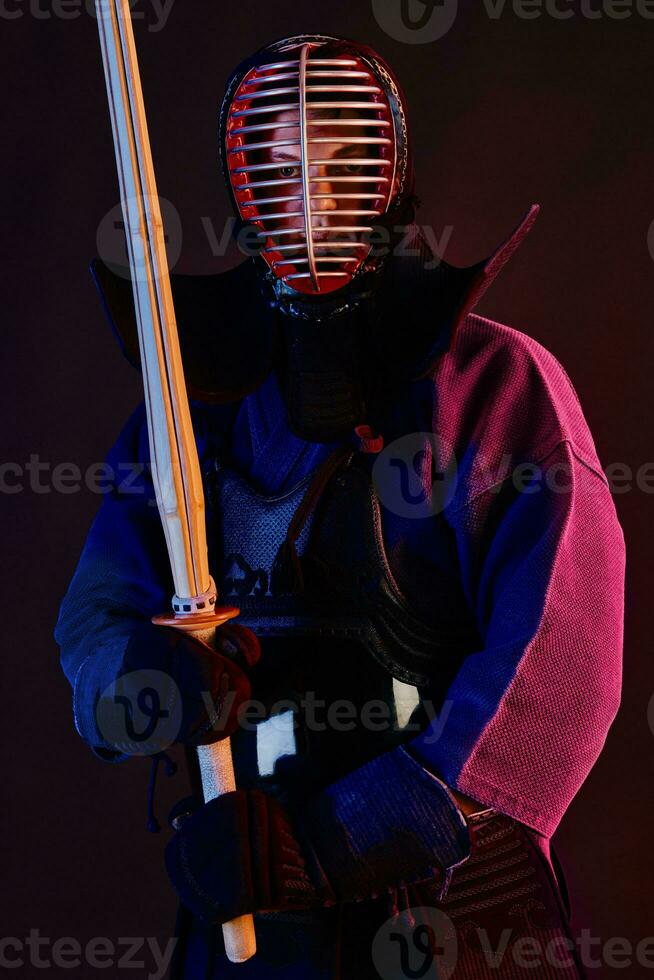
{"x":315,"y":151}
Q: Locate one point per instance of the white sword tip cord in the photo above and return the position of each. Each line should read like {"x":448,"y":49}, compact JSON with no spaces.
{"x":175,"y":467}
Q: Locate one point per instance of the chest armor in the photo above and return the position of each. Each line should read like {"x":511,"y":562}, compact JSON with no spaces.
{"x":349,"y":667}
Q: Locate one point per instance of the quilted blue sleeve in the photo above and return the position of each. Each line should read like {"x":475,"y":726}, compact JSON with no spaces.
{"x":123,"y":576}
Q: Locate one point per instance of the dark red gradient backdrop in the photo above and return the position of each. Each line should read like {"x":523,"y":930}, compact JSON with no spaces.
{"x":505,"y":112}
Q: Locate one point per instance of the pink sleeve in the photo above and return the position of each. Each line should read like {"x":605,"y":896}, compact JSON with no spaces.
{"x":527,"y":715}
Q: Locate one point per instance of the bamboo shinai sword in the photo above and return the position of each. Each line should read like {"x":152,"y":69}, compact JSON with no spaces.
{"x":174,"y":459}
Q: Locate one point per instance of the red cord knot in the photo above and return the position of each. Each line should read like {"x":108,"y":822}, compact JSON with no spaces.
{"x":366,"y":440}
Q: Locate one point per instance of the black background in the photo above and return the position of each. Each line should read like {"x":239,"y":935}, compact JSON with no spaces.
{"x":504,"y":112}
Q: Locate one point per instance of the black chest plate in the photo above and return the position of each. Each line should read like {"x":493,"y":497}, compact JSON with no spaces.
{"x":349,"y":669}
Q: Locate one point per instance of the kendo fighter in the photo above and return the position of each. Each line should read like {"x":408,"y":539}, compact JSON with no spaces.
{"x":406,"y":504}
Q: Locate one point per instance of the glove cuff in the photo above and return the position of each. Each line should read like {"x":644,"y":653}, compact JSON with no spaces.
{"x":93,"y":677}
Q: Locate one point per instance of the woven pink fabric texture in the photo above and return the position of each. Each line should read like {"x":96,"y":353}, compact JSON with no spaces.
{"x":542,"y":561}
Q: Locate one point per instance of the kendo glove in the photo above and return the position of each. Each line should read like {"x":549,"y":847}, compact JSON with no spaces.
{"x":386,"y":825}
{"x":169,"y":687}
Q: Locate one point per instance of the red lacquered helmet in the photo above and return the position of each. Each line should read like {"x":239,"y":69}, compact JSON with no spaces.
{"x":315,"y":151}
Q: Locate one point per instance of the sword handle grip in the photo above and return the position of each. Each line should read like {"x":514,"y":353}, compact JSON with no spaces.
{"x":217,"y":773}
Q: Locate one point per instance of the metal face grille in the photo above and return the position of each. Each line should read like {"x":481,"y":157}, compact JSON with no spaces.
{"x":312,"y":158}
